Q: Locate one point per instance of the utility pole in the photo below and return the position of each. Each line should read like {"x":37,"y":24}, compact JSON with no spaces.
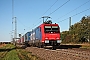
{"x":69,"y":22}
{"x":24,"y":36}
{"x":15,"y":29}
{"x":12,"y":19}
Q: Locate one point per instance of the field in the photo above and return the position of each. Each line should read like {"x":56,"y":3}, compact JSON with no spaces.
{"x":10,"y":52}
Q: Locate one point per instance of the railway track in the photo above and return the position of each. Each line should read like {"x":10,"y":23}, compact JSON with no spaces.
{"x":75,"y":54}
{"x":60,"y":54}
{"x":24,"y":55}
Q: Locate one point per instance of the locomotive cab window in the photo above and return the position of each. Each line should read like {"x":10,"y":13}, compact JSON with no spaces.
{"x":51,"y":29}
{"x":47,"y":29}
{"x":54,"y":27}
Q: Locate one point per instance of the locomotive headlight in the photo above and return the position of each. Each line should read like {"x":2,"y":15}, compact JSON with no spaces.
{"x":46,"y":41}
{"x":57,"y":38}
{"x":46,"y":38}
{"x":59,"y":41}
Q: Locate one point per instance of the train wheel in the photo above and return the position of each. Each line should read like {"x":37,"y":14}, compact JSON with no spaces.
{"x":53,"y":47}
{"x":40,"y":45}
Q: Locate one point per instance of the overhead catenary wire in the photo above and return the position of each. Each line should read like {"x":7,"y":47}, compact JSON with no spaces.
{"x":80,"y":12}
{"x":75,"y":15}
{"x":50,"y":7}
{"x":55,"y":11}
{"x":59,"y":7}
{"x":47,"y":11}
{"x":36,"y":24}
{"x":63,"y":20}
{"x":74,"y":9}
{"x":22,"y":23}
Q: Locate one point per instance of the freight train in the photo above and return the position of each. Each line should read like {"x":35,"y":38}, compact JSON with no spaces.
{"x":46,"y":34}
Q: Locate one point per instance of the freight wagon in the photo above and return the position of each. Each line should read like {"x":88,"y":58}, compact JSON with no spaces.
{"x":27,"y":38}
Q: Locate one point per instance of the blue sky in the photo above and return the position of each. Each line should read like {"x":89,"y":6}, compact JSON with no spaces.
{"x":29,"y":13}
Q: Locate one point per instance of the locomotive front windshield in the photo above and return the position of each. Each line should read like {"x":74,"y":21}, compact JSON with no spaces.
{"x":51,"y":29}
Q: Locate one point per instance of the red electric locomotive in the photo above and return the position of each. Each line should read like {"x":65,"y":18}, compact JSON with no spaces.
{"x":47,"y":34}
{"x":50,"y":34}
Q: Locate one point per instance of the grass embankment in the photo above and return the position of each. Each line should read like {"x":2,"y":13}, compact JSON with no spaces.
{"x":11,"y":55}
{"x":86,"y":46}
{"x":10,"y":52}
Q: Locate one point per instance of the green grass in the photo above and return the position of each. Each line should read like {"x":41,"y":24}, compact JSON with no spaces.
{"x":10,"y":52}
{"x":11,"y":55}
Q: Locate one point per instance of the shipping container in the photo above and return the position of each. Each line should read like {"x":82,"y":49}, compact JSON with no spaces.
{"x":27,"y":36}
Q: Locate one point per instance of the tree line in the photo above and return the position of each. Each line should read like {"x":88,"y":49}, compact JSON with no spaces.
{"x":78,"y":33}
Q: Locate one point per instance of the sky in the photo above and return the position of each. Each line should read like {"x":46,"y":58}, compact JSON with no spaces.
{"x":28,"y":14}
